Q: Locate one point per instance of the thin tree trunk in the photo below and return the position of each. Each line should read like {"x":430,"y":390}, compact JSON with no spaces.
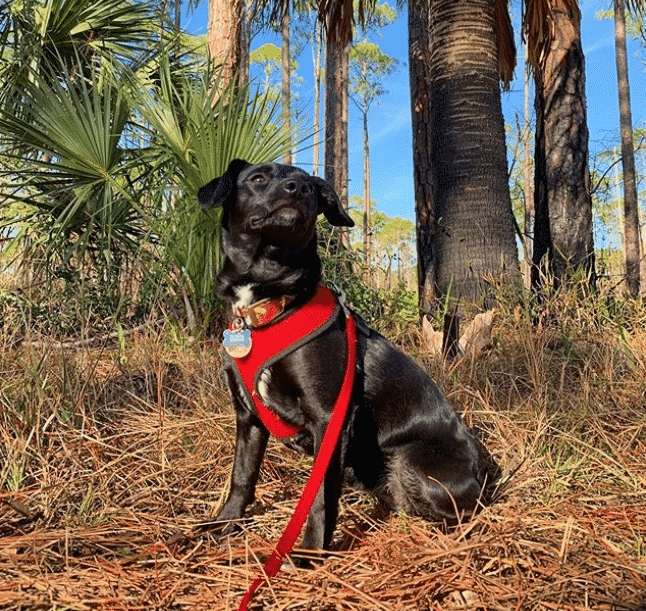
{"x":286,"y":73}
{"x":621,"y":227}
{"x":244,"y":42}
{"x":316,"y":60}
{"x":366,"y":190}
{"x":336,"y":157}
{"x":333,"y":114}
{"x":528,"y":188}
{"x":344,"y":161}
{"x":631,"y":207}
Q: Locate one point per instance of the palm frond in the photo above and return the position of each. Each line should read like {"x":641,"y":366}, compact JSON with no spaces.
{"x":66,"y":161}
{"x":196,"y":127}
{"x":539,"y":23}
{"x":539,"y":27}
{"x":505,"y":42}
{"x":94,"y":26}
{"x":338,"y":16}
{"x":106,"y":158}
{"x":637,"y":7}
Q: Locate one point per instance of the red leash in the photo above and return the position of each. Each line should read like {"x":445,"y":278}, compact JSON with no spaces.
{"x":286,"y":543}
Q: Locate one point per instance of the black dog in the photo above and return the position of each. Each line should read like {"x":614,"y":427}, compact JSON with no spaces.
{"x":402,"y":438}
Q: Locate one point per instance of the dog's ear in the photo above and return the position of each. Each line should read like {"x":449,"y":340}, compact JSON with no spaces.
{"x":215,"y":192}
{"x":329,"y":204}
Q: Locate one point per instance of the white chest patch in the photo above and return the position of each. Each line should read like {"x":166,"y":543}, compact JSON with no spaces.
{"x":244,"y":296}
{"x":263,"y":385}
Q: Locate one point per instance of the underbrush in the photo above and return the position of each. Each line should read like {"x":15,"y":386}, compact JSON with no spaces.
{"x":110,"y":453}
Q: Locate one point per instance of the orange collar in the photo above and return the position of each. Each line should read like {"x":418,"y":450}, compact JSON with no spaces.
{"x":263,"y":312}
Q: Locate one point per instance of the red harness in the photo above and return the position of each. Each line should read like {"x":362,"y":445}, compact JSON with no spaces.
{"x":270,"y":344}
{"x":273,"y":342}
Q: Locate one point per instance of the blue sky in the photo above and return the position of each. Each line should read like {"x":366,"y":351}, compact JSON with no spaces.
{"x":390,"y":122}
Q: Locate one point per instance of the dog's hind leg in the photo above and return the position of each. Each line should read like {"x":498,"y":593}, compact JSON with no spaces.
{"x":430,"y":479}
{"x":323,"y":514}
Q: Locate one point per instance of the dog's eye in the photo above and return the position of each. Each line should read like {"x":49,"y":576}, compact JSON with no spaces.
{"x":257,"y":178}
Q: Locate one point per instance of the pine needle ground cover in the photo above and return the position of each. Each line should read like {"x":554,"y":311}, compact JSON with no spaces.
{"x":110,"y":454}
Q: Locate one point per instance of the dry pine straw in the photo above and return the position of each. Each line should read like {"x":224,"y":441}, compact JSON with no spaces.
{"x":147,"y":474}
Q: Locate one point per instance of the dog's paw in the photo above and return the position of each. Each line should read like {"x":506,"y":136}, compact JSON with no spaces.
{"x":301,"y":442}
{"x":218,"y":528}
{"x":304,"y":559}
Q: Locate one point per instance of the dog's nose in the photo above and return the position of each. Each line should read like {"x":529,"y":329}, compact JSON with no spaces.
{"x":292,"y":185}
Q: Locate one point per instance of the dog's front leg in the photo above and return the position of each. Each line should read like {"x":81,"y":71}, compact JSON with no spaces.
{"x":251,"y":441}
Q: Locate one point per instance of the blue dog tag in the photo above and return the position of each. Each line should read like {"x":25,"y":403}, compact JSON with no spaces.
{"x":237,"y":343}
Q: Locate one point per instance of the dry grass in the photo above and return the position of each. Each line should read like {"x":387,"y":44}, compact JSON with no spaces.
{"x":110,"y":456}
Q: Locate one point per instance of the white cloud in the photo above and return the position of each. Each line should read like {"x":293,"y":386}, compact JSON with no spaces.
{"x":602,"y":43}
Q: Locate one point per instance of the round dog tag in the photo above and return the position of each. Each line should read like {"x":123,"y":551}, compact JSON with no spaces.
{"x":237,"y":343}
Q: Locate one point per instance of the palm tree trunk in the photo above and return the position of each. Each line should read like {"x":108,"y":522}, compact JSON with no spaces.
{"x":562,"y":200}
{"x":631,"y":207}
{"x":468,"y":235}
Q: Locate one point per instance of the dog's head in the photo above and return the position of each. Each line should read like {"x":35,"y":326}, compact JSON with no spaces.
{"x":273,"y":200}
{"x":269,"y":216}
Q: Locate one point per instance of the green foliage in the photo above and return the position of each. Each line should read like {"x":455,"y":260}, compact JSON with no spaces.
{"x":70,"y":37}
{"x":67,"y":165}
{"x":390,"y":310}
{"x":634,"y":18}
{"x":393,"y":244}
{"x":104,"y":154}
{"x":193,"y":136}
{"x":368,"y":67}
{"x":266,"y":53}
{"x":378,"y":16}
{"x":268,"y":58}
{"x":607,"y":205}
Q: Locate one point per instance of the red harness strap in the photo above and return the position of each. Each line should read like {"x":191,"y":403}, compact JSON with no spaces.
{"x":272,"y":343}
{"x":286,"y":543}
